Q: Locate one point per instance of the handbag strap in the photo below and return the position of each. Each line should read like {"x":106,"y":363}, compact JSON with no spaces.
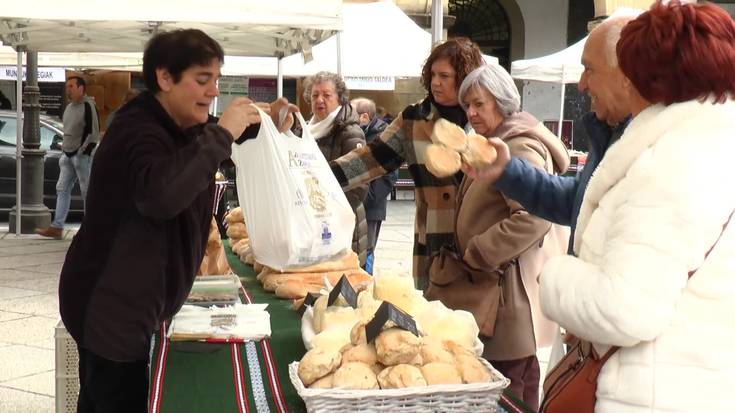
{"x":612,"y":350}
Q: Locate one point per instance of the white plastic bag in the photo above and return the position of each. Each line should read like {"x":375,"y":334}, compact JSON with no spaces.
{"x":294,"y":208}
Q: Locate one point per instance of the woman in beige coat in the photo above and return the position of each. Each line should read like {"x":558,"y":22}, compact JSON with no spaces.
{"x":499,"y":247}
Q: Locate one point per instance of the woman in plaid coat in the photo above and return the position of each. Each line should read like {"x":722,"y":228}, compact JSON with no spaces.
{"x":406,"y":139}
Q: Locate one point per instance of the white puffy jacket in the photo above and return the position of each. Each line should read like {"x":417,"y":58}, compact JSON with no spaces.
{"x":654,"y":206}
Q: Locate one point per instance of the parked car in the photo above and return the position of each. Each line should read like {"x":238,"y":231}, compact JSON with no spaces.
{"x":51,"y":136}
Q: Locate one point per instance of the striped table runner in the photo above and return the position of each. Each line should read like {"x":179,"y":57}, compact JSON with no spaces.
{"x":250,"y":377}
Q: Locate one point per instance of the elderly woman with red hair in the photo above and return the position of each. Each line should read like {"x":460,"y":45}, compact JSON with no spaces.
{"x":654,"y":265}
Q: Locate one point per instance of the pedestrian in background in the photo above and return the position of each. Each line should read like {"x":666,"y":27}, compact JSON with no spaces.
{"x":376,"y":201}
{"x":81,"y":135}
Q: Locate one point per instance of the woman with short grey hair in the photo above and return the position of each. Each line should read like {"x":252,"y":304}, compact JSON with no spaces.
{"x":498,"y":82}
{"x":335,"y":127}
{"x":500,"y":244}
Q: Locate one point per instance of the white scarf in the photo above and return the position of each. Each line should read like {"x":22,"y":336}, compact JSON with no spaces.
{"x":321,"y":128}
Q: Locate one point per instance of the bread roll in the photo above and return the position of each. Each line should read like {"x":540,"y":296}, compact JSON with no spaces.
{"x":317,"y":363}
{"x":433,"y":351}
{"x":401,"y":376}
{"x":396,"y":346}
{"x":480,"y":154}
{"x":323,"y":383}
{"x":363,"y":353}
{"x":441,"y":373}
{"x":471,"y":369}
{"x":354,"y":375}
{"x":450,"y":135}
{"x":397,"y":290}
{"x":457,"y":349}
{"x":337,"y":316}
{"x":442,"y":161}
{"x":334,"y":339}
{"x":358,"y":334}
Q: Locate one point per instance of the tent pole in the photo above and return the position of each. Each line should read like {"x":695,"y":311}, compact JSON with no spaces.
{"x":561,"y":109}
{"x":437,"y":21}
{"x":19,"y":139}
{"x":279,"y":79}
{"x":561,"y":105}
{"x":339,"y":53}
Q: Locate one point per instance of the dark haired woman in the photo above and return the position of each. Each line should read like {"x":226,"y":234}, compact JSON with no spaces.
{"x":405,"y":140}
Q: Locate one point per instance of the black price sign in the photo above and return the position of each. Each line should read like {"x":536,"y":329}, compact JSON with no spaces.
{"x":388,"y":312}
{"x":309,"y":301}
{"x":343,"y":288}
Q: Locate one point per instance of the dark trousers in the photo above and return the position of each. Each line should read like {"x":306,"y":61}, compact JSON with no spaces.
{"x":107,"y":386}
{"x":373,"y":231}
{"x":524,"y":375}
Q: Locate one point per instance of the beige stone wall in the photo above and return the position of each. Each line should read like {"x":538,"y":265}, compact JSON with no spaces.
{"x":607,"y":7}
{"x":408,"y":91}
{"x":108,"y":89}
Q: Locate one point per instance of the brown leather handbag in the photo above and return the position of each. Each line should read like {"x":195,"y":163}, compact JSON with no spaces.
{"x":571,"y":386}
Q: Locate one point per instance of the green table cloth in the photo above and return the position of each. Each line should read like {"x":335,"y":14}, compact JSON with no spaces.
{"x":240,"y":377}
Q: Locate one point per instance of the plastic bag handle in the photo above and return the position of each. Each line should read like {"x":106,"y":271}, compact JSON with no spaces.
{"x":264,"y":117}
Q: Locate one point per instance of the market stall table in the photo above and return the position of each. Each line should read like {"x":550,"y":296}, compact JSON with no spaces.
{"x":240,"y":377}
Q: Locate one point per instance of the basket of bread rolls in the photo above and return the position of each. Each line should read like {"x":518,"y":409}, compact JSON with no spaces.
{"x":421,"y":357}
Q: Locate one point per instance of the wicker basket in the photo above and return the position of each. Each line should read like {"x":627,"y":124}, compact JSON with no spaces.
{"x":474,"y":397}
{"x":67,"y":371}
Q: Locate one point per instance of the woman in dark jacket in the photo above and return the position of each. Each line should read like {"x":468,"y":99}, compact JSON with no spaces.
{"x":335,"y":127}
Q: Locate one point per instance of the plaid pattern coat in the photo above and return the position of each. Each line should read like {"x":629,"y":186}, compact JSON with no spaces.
{"x":405,"y":140}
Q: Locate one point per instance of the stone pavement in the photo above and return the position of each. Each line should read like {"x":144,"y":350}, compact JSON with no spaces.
{"x":29,"y":311}
{"x":29,"y":308}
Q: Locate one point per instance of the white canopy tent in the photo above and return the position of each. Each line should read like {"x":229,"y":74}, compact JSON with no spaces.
{"x":561,"y":67}
{"x":364,"y":51}
{"x":378,"y":40}
{"x":242,"y":27}
{"x":126,"y":61}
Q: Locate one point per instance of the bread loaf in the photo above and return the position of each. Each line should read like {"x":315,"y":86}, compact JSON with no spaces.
{"x":296,"y":289}
{"x":235,"y":215}
{"x":347,"y":261}
{"x":237,"y":231}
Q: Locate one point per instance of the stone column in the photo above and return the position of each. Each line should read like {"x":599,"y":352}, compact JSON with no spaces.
{"x":34,"y":214}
